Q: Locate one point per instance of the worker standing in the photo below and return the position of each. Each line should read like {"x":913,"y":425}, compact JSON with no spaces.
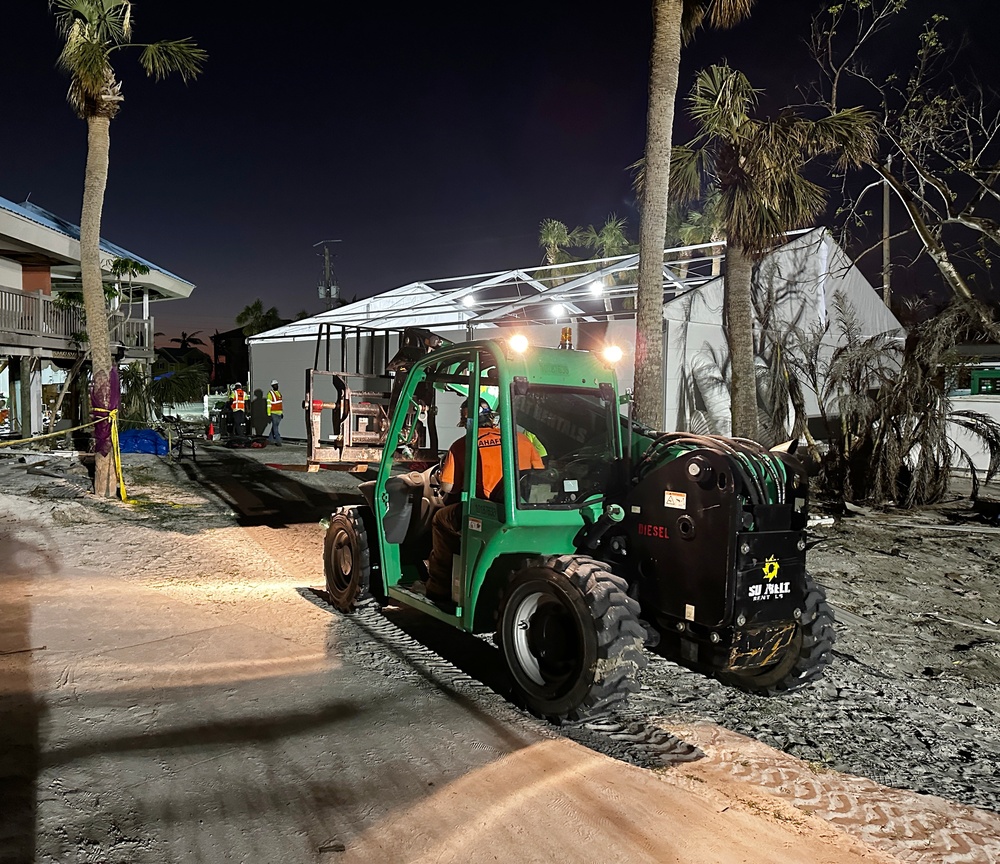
{"x":275,"y":411}
{"x":238,"y":402}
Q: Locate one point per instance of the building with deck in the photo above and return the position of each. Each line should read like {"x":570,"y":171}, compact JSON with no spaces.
{"x":40,"y":337}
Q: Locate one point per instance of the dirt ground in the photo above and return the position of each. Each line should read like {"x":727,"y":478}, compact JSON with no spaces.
{"x":171,"y":689}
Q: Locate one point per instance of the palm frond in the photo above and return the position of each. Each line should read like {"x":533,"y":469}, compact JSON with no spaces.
{"x":721,"y":101}
{"x":986,"y":430}
{"x":894,"y":439}
{"x":850,"y":133}
{"x":87,"y":63}
{"x":687,"y":167}
{"x":796,"y":200}
{"x":607,"y":241}
{"x":749,"y":219}
{"x":181,"y":55}
{"x":728,"y":13}
{"x":102,"y":21}
{"x":136,"y":404}
{"x":757,"y":165}
{"x":964,"y":457}
{"x":552,"y":231}
{"x":719,"y":13}
{"x":92,"y":31}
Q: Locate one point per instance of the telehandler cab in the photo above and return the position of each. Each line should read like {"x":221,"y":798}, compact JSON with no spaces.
{"x":691,"y":545}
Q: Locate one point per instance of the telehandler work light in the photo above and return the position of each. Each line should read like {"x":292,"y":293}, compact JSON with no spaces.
{"x":518,"y":343}
{"x":611,"y":354}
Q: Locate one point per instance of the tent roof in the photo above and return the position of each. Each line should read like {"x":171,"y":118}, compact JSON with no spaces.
{"x":414,"y":305}
{"x":583,"y":290}
{"x":595,"y":290}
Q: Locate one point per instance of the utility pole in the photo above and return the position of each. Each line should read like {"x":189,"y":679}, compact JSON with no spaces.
{"x":328,"y":288}
{"x":886,"y":266}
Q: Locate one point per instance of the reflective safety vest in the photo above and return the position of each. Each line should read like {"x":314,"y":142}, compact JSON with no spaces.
{"x":239,"y":399}
{"x":274,"y":402}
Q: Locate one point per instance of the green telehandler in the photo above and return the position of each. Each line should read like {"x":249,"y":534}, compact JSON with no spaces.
{"x":627,"y":540}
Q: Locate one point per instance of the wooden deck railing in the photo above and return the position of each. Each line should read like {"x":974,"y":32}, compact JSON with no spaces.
{"x":35,"y":317}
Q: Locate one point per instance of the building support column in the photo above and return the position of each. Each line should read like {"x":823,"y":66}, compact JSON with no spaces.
{"x":147,"y":324}
{"x":14,"y":394}
{"x":30,"y":396}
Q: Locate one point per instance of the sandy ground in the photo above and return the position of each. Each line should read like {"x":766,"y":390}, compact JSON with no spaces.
{"x":171,"y":690}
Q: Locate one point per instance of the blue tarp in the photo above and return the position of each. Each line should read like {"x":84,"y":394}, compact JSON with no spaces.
{"x":142,"y":441}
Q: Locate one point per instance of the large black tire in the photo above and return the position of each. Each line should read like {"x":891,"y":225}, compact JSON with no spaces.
{"x":346,"y":559}
{"x":807,"y":655}
{"x":571,"y":637}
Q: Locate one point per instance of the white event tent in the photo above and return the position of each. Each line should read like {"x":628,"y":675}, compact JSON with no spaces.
{"x":795,"y":287}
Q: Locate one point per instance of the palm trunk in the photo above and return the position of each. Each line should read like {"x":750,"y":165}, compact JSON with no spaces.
{"x":664,"y":64}
{"x":739,"y":330}
{"x":717,"y":252}
{"x":683,"y":264}
{"x":95,"y":181}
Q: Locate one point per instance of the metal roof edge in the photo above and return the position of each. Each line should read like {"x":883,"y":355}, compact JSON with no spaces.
{"x":45,"y":219}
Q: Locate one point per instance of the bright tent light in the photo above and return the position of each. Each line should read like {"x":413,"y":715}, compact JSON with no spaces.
{"x":558,"y":309}
{"x":468,"y":300}
{"x":597,"y":287}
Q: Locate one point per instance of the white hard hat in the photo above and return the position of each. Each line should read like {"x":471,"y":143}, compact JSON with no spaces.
{"x":274,"y":383}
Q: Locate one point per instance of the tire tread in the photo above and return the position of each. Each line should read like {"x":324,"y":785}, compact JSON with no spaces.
{"x":620,"y":636}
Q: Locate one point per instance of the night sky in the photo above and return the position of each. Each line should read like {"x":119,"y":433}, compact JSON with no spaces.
{"x":430,"y":139}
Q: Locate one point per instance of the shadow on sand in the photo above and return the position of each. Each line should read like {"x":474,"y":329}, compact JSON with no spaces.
{"x":259,"y":494}
{"x":26,"y":562}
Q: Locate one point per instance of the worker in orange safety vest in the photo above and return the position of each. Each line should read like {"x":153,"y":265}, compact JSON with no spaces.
{"x":275,"y":411}
{"x":238,"y":402}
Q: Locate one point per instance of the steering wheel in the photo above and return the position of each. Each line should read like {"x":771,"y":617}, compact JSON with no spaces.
{"x":573,"y":468}
{"x":433,"y":481}
{"x":545,"y":479}
{"x":526,"y":482}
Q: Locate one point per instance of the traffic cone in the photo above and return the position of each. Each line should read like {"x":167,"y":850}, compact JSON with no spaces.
{"x":211,"y":431}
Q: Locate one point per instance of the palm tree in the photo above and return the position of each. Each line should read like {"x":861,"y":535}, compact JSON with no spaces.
{"x":674,"y":21}
{"x":554,"y":237}
{"x":704,"y":226}
{"x":756,"y":167}
{"x":93,"y":30}
{"x":889,"y":423}
{"x":607,"y":242}
{"x":254,"y":319}
{"x":186,"y":340}
{"x":689,"y":226}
